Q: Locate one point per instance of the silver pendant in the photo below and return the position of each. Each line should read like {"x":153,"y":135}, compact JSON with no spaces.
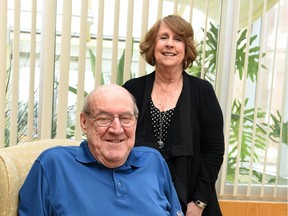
{"x":161,"y":144}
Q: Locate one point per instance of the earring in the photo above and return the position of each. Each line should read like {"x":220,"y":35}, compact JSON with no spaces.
{"x":185,"y":64}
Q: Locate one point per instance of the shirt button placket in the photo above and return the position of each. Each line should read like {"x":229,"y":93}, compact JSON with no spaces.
{"x":119,"y":187}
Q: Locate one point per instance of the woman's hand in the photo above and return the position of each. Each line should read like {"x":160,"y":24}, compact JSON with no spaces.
{"x":193,"y":210}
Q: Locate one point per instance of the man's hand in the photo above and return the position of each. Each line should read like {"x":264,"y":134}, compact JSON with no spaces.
{"x":193,"y":210}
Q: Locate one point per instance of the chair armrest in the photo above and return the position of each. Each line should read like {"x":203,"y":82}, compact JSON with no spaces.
{"x":15,"y":163}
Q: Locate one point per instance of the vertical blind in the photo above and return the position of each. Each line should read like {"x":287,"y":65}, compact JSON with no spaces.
{"x":66,"y":44}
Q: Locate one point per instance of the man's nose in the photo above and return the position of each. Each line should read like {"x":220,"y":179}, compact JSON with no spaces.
{"x":116,"y":126}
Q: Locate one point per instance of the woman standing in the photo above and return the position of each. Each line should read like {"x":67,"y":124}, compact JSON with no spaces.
{"x":180,"y":115}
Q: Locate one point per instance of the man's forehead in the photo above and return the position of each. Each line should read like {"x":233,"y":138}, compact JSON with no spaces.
{"x":112,"y":106}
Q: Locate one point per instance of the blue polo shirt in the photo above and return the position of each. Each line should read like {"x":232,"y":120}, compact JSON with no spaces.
{"x":69,"y":181}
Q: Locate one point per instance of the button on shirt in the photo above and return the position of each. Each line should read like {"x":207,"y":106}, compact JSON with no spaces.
{"x":69,"y":181}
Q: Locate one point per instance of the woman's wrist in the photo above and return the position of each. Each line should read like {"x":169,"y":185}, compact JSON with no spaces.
{"x":199,"y":203}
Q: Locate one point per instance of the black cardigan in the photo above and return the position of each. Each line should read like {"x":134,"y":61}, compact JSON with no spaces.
{"x":194,"y":145}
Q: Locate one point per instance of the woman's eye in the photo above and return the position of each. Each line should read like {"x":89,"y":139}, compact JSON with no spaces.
{"x":163,"y":37}
{"x":178,"y":38}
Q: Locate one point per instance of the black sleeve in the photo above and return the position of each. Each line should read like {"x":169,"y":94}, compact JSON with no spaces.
{"x":211,"y":142}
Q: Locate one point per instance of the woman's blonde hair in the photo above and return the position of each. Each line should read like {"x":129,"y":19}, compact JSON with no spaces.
{"x":182,"y":28}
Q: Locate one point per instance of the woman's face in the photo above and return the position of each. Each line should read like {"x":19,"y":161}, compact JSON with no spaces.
{"x":170,"y":48}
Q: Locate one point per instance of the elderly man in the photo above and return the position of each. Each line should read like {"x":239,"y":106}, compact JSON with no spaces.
{"x":106,"y":174}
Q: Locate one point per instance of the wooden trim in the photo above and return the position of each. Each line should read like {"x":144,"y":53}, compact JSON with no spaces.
{"x":253,"y":208}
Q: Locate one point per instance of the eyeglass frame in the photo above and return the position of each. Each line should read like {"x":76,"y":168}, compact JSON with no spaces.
{"x":112,"y":118}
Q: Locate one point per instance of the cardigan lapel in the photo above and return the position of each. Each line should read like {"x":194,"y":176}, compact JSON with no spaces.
{"x":181,"y":143}
{"x":147,"y":94}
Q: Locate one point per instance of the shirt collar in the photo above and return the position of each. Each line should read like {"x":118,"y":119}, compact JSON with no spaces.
{"x":83,"y":155}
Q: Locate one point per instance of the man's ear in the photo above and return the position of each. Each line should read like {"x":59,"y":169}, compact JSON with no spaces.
{"x":83,"y":122}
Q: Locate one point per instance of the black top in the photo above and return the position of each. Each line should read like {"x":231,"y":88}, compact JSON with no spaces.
{"x":160,"y":122}
{"x":194,"y":145}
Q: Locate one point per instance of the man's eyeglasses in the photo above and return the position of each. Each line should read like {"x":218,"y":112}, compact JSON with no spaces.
{"x":105,"y":119}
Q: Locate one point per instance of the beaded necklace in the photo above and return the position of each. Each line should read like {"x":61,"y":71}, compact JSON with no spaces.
{"x":160,"y":122}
